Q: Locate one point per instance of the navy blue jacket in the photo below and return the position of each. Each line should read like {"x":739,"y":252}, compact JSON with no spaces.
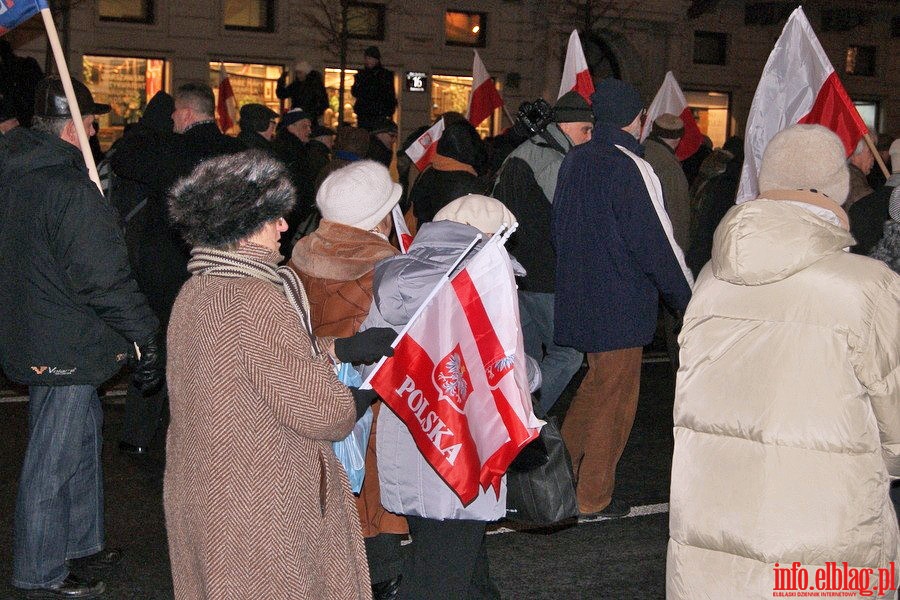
{"x":613,"y":259}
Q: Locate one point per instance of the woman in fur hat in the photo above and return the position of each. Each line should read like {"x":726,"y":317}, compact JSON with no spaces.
{"x":787,"y":405}
{"x":257,"y":505}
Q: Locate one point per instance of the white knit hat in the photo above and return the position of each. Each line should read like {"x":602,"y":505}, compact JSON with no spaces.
{"x":806,"y":157}
{"x":360,"y":195}
{"x":481,"y":212}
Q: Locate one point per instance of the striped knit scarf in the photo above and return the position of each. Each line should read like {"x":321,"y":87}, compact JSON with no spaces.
{"x":220,"y":263}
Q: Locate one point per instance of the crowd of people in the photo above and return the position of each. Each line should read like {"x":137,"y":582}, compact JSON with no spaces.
{"x":232,"y":275}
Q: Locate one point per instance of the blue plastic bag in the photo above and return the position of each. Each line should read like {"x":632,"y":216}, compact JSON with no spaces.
{"x":351,"y":450}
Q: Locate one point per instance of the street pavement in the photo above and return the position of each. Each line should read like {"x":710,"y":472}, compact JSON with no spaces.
{"x":595,"y":559}
{"x":612,"y":558}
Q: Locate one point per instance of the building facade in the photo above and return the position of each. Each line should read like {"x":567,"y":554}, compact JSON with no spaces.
{"x":127,"y":49}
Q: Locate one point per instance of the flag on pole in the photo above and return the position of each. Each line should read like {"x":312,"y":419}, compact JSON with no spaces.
{"x":15,"y":12}
{"x":670,"y":99}
{"x":422,"y":150}
{"x":576,"y":75}
{"x":226,"y":107}
{"x":404,"y":237}
{"x":457,"y":377}
{"x":484,"y":98}
{"x":798,"y":85}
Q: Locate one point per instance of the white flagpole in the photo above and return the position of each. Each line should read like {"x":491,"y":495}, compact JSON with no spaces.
{"x":444,"y":279}
{"x":63,"y":69}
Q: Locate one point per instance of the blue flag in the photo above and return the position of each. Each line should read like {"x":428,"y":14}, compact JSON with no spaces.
{"x":14,"y":12}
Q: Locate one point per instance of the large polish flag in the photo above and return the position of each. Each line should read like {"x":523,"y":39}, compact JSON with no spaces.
{"x":670,"y":99}
{"x":457,"y":377}
{"x":485,"y":98}
{"x":798,"y":85}
{"x":576,"y":75}
{"x":226,"y":106}
{"x":421,"y":152}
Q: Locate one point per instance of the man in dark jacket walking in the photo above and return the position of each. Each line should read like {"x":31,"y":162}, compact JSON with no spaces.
{"x":526,"y":185}
{"x":71,"y":314}
{"x":373,"y":89}
{"x":616,"y":255}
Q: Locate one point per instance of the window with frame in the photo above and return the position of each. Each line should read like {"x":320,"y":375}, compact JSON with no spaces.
{"x":250,"y":15}
{"x":860,"y":60}
{"x":464,"y":28}
{"x":127,"y":11}
{"x":710,"y":48}
{"x":365,"y":20}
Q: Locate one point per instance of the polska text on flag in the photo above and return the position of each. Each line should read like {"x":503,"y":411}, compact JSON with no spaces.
{"x":457,"y":377}
{"x":421,"y":152}
{"x":485,"y":98}
{"x":15,"y":12}
{"x":576,"y":75}
{"x":670,"y":99}
{"x":798,"y":85}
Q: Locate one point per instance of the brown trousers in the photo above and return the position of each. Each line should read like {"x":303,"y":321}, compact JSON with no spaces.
{"x":598,"y":423}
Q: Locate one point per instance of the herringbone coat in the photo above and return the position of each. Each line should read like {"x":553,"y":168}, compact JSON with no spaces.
{"x":257,"y":506}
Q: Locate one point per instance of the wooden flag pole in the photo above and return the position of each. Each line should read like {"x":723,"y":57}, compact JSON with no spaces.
{"x":877,"y":155}
{"x":63,"y":69}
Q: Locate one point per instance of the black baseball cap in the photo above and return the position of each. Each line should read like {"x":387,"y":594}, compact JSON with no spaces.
{"x":50,"y":99}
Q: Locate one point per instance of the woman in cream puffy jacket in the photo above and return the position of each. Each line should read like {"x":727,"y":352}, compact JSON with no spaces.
{"x":787,"y":405}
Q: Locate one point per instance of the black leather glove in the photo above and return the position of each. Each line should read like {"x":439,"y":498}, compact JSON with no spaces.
{"x":365,"y":347}
{"x":150,"y":372}
{"x":363,"y":399}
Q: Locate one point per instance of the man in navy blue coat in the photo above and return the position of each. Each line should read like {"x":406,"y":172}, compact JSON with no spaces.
{"x":615,"y":256}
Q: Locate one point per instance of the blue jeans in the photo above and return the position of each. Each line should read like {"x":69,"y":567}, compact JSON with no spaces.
{"x":558,"y":363}
{"x":59,"y":509}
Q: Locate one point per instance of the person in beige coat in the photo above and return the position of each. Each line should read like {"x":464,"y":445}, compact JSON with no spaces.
{"x":787,"y":403}
{"x":256,"y":503}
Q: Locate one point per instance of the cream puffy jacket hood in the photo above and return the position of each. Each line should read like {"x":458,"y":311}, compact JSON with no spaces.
{"x":787,"y":408}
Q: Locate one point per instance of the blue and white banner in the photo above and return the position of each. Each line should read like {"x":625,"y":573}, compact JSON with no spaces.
{"x":14,"y":12}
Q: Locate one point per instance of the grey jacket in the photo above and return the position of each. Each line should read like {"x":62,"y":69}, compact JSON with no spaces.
{"x":409,"y":485}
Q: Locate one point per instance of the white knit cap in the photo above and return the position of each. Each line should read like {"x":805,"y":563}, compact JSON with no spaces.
{"x":360,"y":194}
{"x":806,"y":157}
{"x":481,"y":212}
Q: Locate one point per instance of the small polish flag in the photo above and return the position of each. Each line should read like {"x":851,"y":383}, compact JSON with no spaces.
{"x":798,"y":85}
{"x":404,"y":237}
{"x":670,"y":99}
{"x":485,"y":97}
{"x":226,"y":107}
{"x":422,"y":150}
{"x":575,"y":72}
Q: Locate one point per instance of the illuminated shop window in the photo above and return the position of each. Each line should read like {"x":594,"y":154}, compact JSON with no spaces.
{"x":251,"y":15}
{"x":451,"y":93}
{"x":129,"y":11}
{"x":870,"y":112}
{"x":251,"y":83}
{"x":365,"y":20}
{"x":126,"y":84}
{"x":331,"y":117}
{"x":712,"y":110}
{"x":462,"y":28}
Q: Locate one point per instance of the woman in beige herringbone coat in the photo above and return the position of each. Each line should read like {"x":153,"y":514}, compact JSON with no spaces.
{"x":257,"y":506}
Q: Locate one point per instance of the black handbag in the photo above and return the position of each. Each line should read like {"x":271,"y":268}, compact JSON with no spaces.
{"x":540,"y":486}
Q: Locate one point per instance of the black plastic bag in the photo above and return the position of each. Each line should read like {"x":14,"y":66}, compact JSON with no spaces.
{"x":543,"y":494}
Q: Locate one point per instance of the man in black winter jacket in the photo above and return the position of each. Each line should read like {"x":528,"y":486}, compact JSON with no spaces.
{"x":526,"y":184}
{"x":70,"y":314}
{"x":373,"y":88}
